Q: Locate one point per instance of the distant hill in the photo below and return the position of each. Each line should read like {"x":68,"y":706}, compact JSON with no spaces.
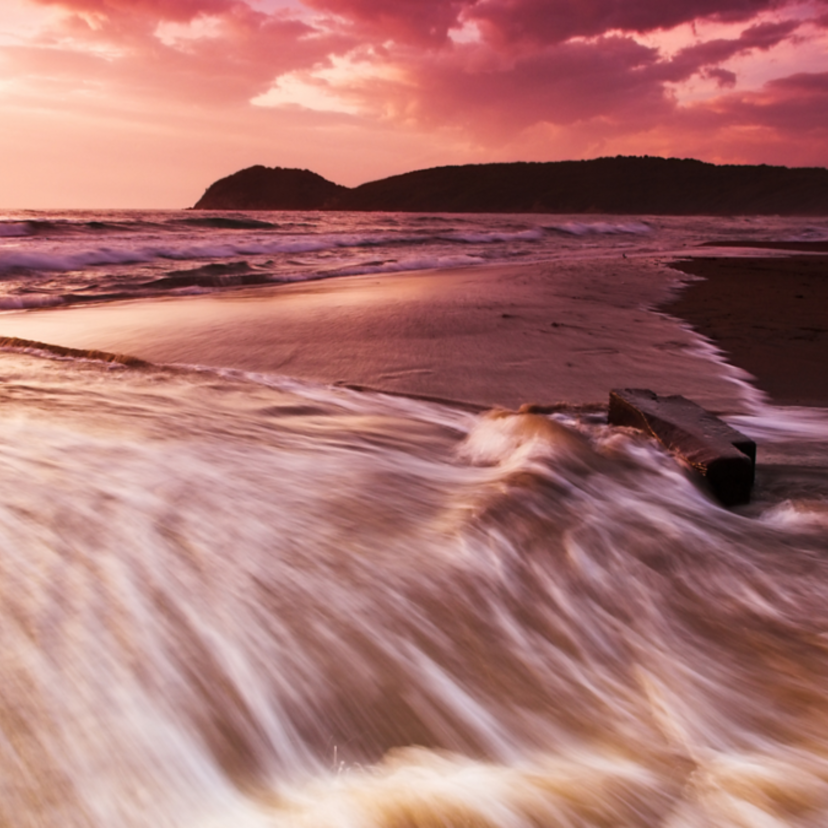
{"x":263,"y":188}
{"x":625,"y":185}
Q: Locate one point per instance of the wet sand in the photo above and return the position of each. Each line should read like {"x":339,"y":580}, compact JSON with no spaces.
{"x":769,"y":315}
{"x":492,"y":336}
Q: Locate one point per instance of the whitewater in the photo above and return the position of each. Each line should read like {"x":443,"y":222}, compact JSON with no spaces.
{"x":232,"y":598}
{"x":49,"y":259}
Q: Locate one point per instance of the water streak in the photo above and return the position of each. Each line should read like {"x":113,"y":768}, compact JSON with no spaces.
{"x":238,"y":600}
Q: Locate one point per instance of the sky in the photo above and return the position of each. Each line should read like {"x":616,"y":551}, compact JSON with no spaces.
{"x":144,"y":103}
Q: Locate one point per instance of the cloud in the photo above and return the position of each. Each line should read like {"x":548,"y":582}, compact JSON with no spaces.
{"x":477,"y":80}
{"x":423,"y":22}
{"x":131,"y":50}
{"x":612,"y":82}
{"x":562,"y":58}
{"x":177,"y":10}
{"x":692,"y":59}
{"x":545,"y":22}
{"x":791,"y":104}
{"x":563,"y":84}
{"x":723,"y":77}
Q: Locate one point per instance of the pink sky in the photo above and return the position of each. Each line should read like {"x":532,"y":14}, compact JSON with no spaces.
{"x":143,"y":103}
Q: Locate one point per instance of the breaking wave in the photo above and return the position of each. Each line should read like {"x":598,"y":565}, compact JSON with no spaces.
{"x":10,"y":229}
{"x":233,"y":599}
{"x":602,"y":228}
{"x":101,"y":256}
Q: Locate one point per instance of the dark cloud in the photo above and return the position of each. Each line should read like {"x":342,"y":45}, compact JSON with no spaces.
{"x":613,"y":80}
{"x":571,"y":65}
{"x":610,"y":78}
{"x":794,"y":103}
{"x":723,"y":77}
{"x":707,"y":55}
{"x":783,"y":122}
{"x":542,"y":21}
{"x":425,"y":22}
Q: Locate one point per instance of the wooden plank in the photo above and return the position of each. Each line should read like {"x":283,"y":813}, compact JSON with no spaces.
{"x":723,"y":456}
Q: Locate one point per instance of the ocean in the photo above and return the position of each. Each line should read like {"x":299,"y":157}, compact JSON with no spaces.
{"x":50,"y":259}
{"x":248,"y":599}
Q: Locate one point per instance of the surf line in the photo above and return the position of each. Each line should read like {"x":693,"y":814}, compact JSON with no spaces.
{"x":724,"y":458}
{"x":14,"y":343}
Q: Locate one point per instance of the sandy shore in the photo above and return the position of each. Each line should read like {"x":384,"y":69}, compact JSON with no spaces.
{"x":769,"y":316}
{"x":493,"y":336}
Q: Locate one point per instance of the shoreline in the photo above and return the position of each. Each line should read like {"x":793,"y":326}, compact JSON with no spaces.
{"x":494,"y":336}
{"x":767,"y":315}
{"x":498,"y":335}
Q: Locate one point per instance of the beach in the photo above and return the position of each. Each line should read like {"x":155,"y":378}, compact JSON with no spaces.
{"x":497,"y":335}
{"x":768,"y":316}
{"x":743,"y":333}
{"x":491,"y":336}
{"x":490,"y":310}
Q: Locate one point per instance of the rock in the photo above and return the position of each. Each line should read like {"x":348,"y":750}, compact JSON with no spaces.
{"x":724,"y":457}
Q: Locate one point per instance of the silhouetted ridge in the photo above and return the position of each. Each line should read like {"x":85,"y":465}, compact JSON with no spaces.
{"x":265,"y":188}
{"x":646,"y":185}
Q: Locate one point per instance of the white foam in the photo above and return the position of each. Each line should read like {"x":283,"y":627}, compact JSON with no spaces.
{"x":488,"y":238}
{"x":777,"y":423}
{"x":412,"y":263}
{"x":15,"y":228}
{"x":217,"y":612}
{"x":55,"y":260}
{"x":30,"y":301}
{"x":78,"y":260}
{"x":71,"y":261}
{"x":797,"y":515}
{"x":579,"y":228}
{"x":810,"y":233}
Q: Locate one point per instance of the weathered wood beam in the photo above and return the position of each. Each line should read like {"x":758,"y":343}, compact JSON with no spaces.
{"x":724,"y":457}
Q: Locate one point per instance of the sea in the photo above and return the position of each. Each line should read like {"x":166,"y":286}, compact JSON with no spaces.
{"x":49,"y":259}
{"x":255,"y":600}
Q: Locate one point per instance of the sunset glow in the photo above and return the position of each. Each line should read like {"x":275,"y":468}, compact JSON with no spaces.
{"x":143,"y":103}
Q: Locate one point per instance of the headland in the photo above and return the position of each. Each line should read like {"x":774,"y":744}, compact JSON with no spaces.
{"x":620,"y":185}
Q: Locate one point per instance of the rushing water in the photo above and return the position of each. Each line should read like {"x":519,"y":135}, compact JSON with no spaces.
{"x":231,"y":599}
